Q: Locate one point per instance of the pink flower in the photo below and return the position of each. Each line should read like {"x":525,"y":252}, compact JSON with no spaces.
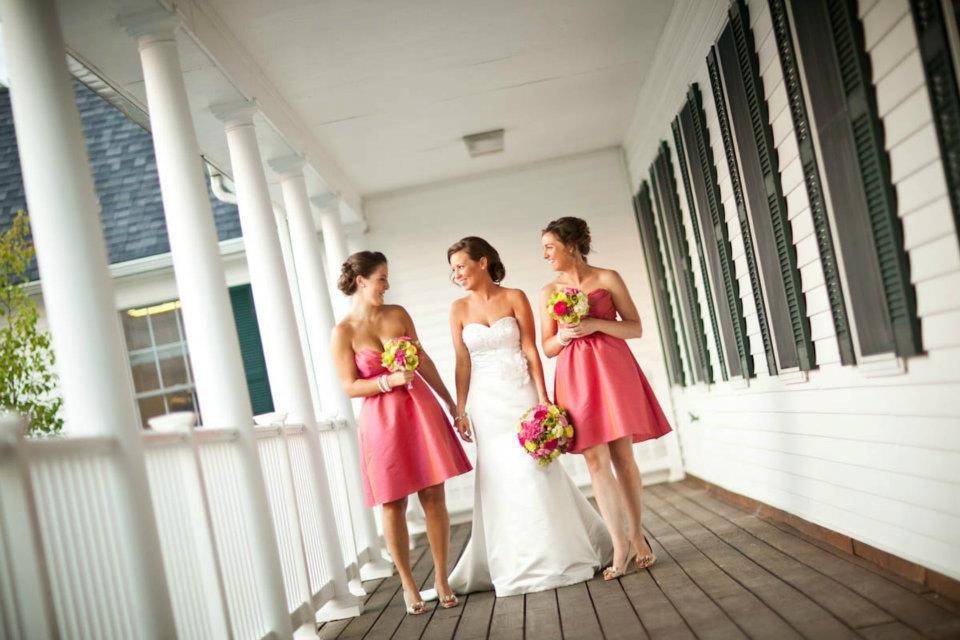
{"x":540,"y":413}
{"x":550,"y":445}
{"x":571,"y":291}
{"x":560,"y":308}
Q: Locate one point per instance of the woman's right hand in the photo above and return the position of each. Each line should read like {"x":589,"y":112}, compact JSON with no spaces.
{"x":400,"y":378}
{"x":566,"y":333}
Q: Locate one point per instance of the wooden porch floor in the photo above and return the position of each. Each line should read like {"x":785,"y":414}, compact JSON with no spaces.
{"x":721,"y":573}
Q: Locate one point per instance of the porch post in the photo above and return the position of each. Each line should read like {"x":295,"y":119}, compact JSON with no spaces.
{"x":207,"y":314}
{"x":77,"y":291}
{"x":334,"y":246}
{"x":278,"y":327}
{"x":319,"y":321}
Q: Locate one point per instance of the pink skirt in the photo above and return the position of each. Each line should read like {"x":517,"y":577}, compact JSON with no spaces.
{"x":406,"y":444}
{"x":600,"y":384}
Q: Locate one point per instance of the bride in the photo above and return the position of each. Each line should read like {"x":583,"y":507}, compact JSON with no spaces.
{"x":532,"y":528}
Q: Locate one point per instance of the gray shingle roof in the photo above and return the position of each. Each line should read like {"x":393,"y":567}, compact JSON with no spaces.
{"x":124,"y":171}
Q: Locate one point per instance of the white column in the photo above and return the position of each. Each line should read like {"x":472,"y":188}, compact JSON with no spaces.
{"x":334,"y":247}
{"x":207,"y":314}
{"x":319,"y":320}
{"x":278,"y":326}
{"x":77,"y":291}
{"x":356,"y":237}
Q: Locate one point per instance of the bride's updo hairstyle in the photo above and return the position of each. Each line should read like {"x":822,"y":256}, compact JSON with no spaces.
{"x":478,"y":248}
{"x":362,"y":263}
{"x":572,"y":232}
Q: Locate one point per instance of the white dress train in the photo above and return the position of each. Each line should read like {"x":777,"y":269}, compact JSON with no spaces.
{"x":532,"y":528}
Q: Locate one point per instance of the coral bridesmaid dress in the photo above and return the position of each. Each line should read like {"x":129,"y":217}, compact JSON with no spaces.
{"x":601,"y":386}
{"x":406,"y":441}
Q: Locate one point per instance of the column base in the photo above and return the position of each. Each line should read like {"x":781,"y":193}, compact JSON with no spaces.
{"x":346,"y":606}
{"x":356,"y":587}
{"x":306,"y":631}
{"x":376,"y":568}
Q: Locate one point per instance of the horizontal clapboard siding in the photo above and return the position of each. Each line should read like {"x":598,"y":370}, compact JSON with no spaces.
{"x":875,"y":458}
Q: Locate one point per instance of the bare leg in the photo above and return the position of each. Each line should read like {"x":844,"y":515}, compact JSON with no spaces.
{"x":631,"y":490}
{"x":434,"y":504}
{"x":398,"y":543}
{"x":607,"y":493}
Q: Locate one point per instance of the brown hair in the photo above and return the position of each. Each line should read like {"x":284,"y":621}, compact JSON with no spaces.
{"x":572,"y":232}
{"x":478,"y":248}
{"x":362,"y":263}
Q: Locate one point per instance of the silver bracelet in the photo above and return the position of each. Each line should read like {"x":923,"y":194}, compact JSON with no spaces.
{"x":383,"y":384}
{"x":563,"y":342}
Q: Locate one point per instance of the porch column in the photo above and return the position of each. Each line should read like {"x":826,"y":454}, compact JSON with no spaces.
{"x":77,"y":291}
{"x":356,"y":235}
{"x":278,"y":327}
{"x":334,"y":247}
{"x":319,"y":321}
{"x":207,"y":314}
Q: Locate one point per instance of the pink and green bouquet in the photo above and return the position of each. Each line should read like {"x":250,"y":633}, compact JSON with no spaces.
{"x":545,"y":432}
{"x":568,"y":305}
{"x":401,"y":354}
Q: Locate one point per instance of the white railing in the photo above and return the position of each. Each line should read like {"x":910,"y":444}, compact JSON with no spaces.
{"x":330,"y":435}
{"x":64,"y":565}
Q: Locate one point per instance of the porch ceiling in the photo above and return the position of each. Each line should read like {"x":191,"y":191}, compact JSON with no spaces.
{"x":378,"y":93}
{"x":390,"y":87}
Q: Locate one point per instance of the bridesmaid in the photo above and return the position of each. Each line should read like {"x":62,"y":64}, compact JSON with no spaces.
{"x":407,"y":445}
{"x":601,"y":385}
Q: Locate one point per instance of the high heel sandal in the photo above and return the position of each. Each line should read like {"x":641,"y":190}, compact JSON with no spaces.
{"x":414,"y":608}
{"x":448,"y":601}
{"x":613,"y":571}
{"x":646,"y":560}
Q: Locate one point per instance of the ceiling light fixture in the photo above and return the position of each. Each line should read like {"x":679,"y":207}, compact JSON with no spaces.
{"x":479,"y":144}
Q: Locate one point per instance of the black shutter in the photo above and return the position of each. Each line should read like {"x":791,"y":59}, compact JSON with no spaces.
{"x":811,"y":178}
{"x":670,"y":274}
{"x":856,"y":170}
{"x":658,"y":284}
{"x":251,"y":349}
{"x":692,"y":205}
{"x":749,"y":253}
{"x":703,"y":174}
{"x":681,"y":270}
{"x":942,"y":86}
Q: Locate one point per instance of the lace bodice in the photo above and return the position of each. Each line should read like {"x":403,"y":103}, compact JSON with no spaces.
{"x":495,"y":351}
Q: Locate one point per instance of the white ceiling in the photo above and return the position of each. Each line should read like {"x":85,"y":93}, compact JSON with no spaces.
{"x":388,"y":87}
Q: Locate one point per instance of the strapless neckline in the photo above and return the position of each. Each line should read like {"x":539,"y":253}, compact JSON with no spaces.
{"x":492,"y":324}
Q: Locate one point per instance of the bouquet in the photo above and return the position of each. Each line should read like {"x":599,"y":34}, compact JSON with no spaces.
{"x":568,"y":305}
{"x":401,"y":354}
{"x":545,"y":432}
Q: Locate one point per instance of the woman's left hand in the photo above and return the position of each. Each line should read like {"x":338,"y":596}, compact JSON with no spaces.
{"x":586,"y":327}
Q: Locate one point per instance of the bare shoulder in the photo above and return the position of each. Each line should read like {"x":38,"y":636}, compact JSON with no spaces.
{"x":514,"y":295}
{"x":458,"y":307}
{"x":394,"y":311}
{"x":343,"y":332}
{"x":609,"y":277}
{"x":549,"y":288}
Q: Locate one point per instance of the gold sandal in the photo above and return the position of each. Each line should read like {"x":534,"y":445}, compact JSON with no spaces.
{"x":613,"y":571}
{"x":448,"y":601}
{"x":414,"y":608}
{"x":646,"y":560}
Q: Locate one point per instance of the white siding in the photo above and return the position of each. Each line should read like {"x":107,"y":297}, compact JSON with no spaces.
{"x":876,"y":458}
{"x":414,"y":228}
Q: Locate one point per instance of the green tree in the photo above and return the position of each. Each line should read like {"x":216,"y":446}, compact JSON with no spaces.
{"x":28,"y":382}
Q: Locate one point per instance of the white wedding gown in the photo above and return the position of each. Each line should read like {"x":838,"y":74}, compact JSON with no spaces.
{"x":532,"y":528}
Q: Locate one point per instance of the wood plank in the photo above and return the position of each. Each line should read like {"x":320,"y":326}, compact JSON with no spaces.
{"x":542,"y":616}
{"x":890,"y":631}
{"x":332,"y":629}
{"x":910,"y":608}
{"x":657,"y":614}
{"x":725,"y":576}
{"x":704,"y":618}
{"x":507,"y":620}
{"x":395,"y":611}
{"x":475,"y":619}
{"x":851,"y":608}
{"x":578,"y":619}
{"x":616,"y":615}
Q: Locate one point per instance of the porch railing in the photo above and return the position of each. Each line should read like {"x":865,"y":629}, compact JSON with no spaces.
{"x":63,"y":564}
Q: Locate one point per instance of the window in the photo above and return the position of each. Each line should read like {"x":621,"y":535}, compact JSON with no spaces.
{"x":159,"y":361}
